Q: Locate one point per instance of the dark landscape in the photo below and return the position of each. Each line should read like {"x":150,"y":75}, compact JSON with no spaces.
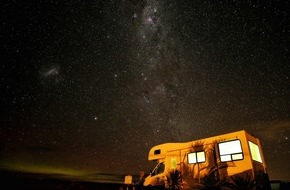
{"x":22,"y":180}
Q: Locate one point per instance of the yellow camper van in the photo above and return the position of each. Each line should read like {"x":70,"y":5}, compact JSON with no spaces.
{"x":218,"y":162}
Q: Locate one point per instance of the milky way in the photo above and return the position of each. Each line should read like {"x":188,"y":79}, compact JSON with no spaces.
{"x":93,"y":86}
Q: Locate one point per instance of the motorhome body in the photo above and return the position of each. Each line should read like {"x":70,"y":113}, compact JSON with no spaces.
{"x":221,"y":158}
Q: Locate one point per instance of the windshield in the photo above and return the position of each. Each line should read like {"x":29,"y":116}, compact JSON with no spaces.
{"x":158,"y":169}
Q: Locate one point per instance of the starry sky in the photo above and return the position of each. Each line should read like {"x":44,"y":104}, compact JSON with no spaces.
{"x":92,"y":86}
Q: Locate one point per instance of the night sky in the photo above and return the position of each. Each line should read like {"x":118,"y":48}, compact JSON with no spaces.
{"x":93,"y":86}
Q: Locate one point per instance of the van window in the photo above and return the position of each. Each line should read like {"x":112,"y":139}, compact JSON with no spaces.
{"x":230,"y":150}
{"x":158,"y":151}
{"x":173,"y":163}
{"x":255,"y":152}
{"x":158,"y":169}
{"x":196,"y":157}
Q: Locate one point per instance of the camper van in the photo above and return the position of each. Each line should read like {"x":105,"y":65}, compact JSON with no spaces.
{"x":218,"y":162}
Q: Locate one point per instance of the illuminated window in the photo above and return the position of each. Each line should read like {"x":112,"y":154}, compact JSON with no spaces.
{"x":196,"y":157}
{"x":255,"y":152}
{"x":230,"y":150}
